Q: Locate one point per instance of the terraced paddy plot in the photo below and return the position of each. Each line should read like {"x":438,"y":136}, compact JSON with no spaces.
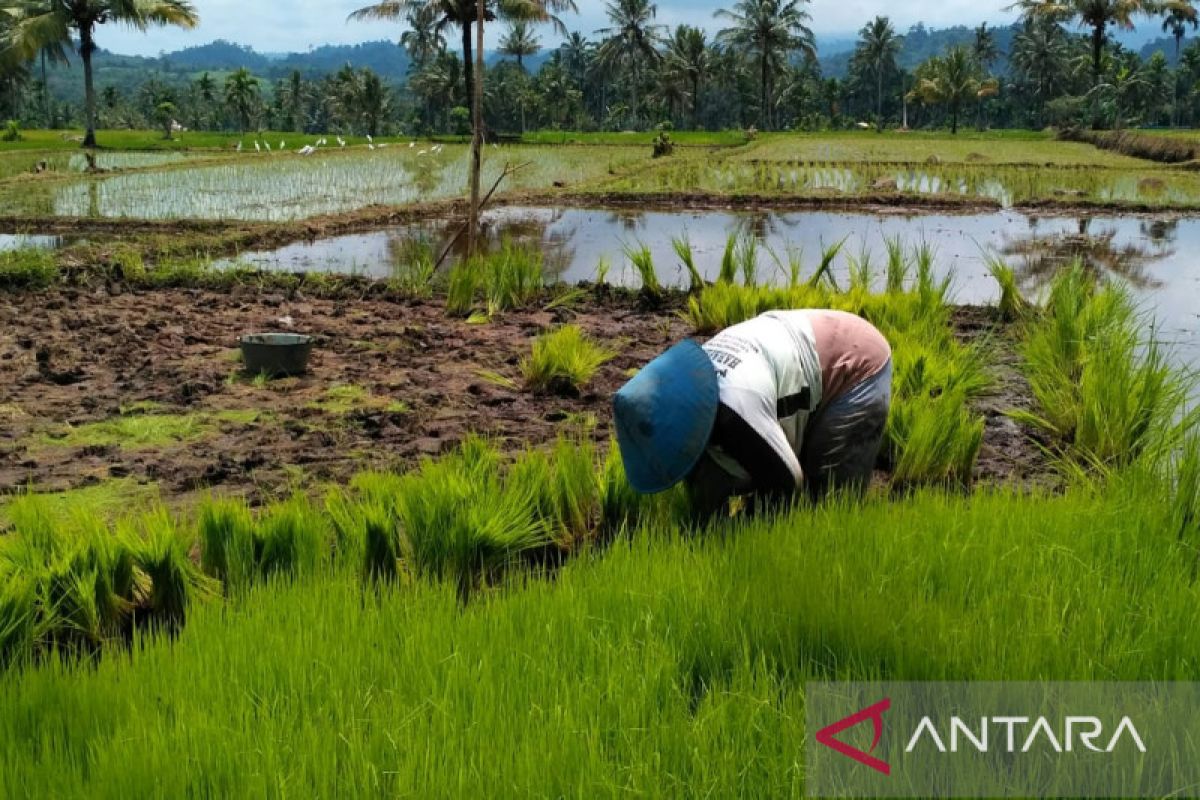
{"x":286,"y":186}
{"x":1154,"y":254}
{"x":1007,"y":185}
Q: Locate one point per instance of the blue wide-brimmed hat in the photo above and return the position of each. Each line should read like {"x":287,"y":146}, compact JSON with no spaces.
{"x":664,"y":417}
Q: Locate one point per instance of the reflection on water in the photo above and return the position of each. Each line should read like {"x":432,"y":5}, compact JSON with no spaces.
{"x":1159,"y":257}
{"x":1040,"y":256}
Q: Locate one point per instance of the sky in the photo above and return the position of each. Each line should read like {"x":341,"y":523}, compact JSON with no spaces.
{"x":309,"y":23}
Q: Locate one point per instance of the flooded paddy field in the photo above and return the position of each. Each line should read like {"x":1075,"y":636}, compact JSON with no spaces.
{"x":1155,"y":255}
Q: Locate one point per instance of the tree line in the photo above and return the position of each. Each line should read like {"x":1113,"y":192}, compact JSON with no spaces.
{"x":758,"y":68}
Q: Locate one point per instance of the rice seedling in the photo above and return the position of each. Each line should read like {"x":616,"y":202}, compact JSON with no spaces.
{"x":898,"y":265}
{"x":790,"y":265}
{"x":933,"y":439}
{"x":1012,"y":305}
{"x":565,"y":489}
{"x":687,"y":258}
{"x":292,"y":539}
{"x":461,"y":289}
{"x":563,"y":361}
{"x":381,"y":545}
{"x":228,"y":537}
{"x":513,"y":276}
{"x":603,"y":266}
{"x":862,"y":274}
{"x":643,"y":263}
{"x":1103,"y":389}
{"x":161,"y":554}
{"x":729,"y":264}
{"x":414,"y":269}
{"x":747,"y":257}
{"x":828,"y":255}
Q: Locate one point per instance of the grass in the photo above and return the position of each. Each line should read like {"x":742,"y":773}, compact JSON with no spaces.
{"x":107,"y":500}
{"x":27,"y":268}
{"x":564,"y":361}
{"x":348,"y":398}
{"x":139,"y":431}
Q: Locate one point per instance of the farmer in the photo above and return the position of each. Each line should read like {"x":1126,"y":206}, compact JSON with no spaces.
{"x":786,"y":401}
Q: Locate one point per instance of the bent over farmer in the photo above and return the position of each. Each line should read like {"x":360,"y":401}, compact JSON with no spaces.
{"x":786,"y":401}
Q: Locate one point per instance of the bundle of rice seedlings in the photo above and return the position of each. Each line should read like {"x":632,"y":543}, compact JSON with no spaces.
{"x":643,"y":262}
{"x":161,"y":553}
{"x":381,"y":545}
{"x":898,"y":265}
{"x":564,"y":361}
{"x":933,"y":440}
{"x":1012,"y":305}
{"x":565,"y":488}
{"x":683,"y":249}
{"x":462,"y":287}
{"x":513,"y":276}
{"x":294,"y":538}
{"x":227,"y":543}
{"x":18,"y":615}
{"x":824,"y":269}
{"x":747,"y":257}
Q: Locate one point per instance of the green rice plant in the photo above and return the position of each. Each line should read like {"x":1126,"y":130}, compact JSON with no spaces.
{"x":747,"y":257}
{"x":462,"y":287}
{"x":565,"y":488}
{"x":828,"y":255}
{"x":729,"y":263}
{"x":1104,"y":391}
{"x":381,"y":545}
{"x":161,"y":553}
{"x":790,"y":265}
{"x":643,"y":262}
{"x":564,"y":361}
{"x":603,"y":266}
{"x":228,"y":543}
{"x":344,"y":512}
{"x":414,"y":269}
{"x":898,"y":265}
{"x":460,"y":523}
{"x":683,"y":249}
{"x":27,"y":268}
{"x":512,"y":276}
{"x":862,"y":274}
{"x":1184,"y":478}
{"x":1012,"y":305}
{"x":294,"y":539}
{"x":18,"y":614}
{"x":933,"y":440}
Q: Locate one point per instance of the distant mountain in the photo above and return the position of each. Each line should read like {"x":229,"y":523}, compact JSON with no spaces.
{"x":919,"y":44}
{"x":1167,"y":45}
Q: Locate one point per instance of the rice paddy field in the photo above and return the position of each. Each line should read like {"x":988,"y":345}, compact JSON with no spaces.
{"x":419,"y":570}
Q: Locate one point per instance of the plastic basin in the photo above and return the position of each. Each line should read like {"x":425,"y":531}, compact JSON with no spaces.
{"x":276,"y":354}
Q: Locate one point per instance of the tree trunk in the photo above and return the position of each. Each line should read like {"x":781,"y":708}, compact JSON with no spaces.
{"x":762,"y":94}
{"x":879,"y":99}
{"x":953,"y":119}
{"x":477,"y":138}
{"x":1097,"y":57}
{"x":1175,"y":83}
{"x":696,"y":102}
{"x":86,"y":47}
{"x":468,"y":67}
{"x":46,"y":90}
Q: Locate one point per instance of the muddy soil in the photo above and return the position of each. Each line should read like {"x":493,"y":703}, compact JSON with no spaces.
{"x":69,"y":357}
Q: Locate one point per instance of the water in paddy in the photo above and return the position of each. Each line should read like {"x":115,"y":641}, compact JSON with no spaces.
{"x":1158,"y":256}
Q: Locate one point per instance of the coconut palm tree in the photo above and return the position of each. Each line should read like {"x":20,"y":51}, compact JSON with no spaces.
{"x":1040,"y":55}
{"x":1099,"y":15}
{"x":424,"y":39}
{"x":952,"y":80}
{"x":631,"y":42}
{"x":984,"y":49}
{"x":520,"y":41}
{"x":878,"y":45}
{"x":769,"y":30}
{"x":464,"y":14}
{"x":241,"y":92}
{"x":689,"y":59}
{"x":40,"y":24}
{"x":1177,"y":16}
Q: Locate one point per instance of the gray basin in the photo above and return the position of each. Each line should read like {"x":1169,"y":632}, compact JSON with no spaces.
{"x":276,"y":355}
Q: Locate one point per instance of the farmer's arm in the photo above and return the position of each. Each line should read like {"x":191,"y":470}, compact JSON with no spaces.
{"x":752,"y":437}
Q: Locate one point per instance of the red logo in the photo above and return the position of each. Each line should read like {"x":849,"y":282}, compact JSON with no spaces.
{"x":873,"y":713}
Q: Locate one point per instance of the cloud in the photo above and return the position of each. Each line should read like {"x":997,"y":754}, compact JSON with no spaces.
{"x":301,"y":24}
